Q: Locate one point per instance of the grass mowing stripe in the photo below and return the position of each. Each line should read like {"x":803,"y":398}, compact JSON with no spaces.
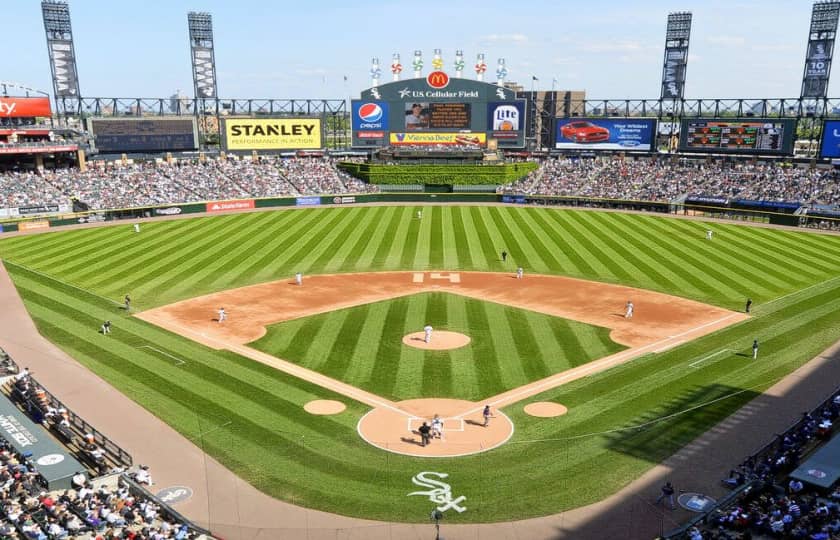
{"x":738,"y":249}
{"x":617,"y":238}
{"x":396,"y":249}
{"x":450,"y":239}
{"x":815,"y":259}
{"x":380,"y":244}
{"x":503,"y":341}
{"x":570,"y":342}
{"x":369,"y":245}
{"x":463,"y":255}
{"x":526,"y":344}
{"x":436,"y":376}
{"x":462,"y":361}
{"x":188,"y":273}
{"x":436,"y":245}
{"x":34,"y":248}
{"x":486,"y":240}
{"x":423,"y":245}
{"x":344,"y":344}
{"x":369,"y":344}
{"x":408,"y":257}
{"x":546,"y":254}
{"x":301,"y":251}
{"x":296,"y":226}
{"x":54,"y":282}
{"x":580,"y":240}
{"x":566,"y":247}
{"x":409,"y":374}
{"x":472,"y":256}
{"x":386,"y":366}
{"x":487,"y":361}
{"x":332,"y":243}
{"x":599,"y":245}
{"x":346,"y":256}
{"x":233,"y":262}
{"x":525,"y":254}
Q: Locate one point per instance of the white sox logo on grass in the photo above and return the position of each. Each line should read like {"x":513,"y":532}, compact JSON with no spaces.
{"x":439,"y":492}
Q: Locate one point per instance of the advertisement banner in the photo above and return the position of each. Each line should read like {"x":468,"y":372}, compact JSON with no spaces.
{"x":439,"y":138}
{"x":344,"y":200}
{"x":513,"y":199}
{"x":637,"y":134}
{"x":224,"y":206}
{"x":168,"y":211}
{"x":33,"y":225}
{"x":370,"y":116}
{"x":24,"y":107}
{"x":272,"y":133}
{"x":307,"y":201}
{"x":505,"y":119}
{"x":755,"y":136}
{"x":830,"y":140}
{"x":41,"y":209}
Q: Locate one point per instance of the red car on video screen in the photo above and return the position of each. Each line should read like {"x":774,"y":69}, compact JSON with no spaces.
{"x":584,"y":132}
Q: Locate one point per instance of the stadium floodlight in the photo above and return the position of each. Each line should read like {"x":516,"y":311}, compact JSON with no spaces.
{"x":62,"y":53}
{"x":674,"y":65}
{"x":820,"y":49}
{"x":203,"y":55}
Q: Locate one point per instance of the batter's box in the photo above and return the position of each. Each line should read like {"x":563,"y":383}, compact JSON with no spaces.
{"x":449,"y":424}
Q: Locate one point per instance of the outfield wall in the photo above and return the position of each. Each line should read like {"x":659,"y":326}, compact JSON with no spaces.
{"x":729,"y":210}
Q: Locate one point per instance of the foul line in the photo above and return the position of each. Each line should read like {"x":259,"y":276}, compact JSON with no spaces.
{"x":163,"y":353}
{"x":800,"y":291}
{"x":554,"y":381}
{"x":6,"y":261}
{"x":709,"y":356}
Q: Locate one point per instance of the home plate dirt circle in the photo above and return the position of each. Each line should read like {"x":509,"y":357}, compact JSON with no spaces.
{"x":464,"y":432}
{"x":545,"y":409}
{"x":324,"y":407}
{"x":442,"y":340}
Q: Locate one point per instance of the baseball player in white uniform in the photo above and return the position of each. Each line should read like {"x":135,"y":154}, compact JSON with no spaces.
{"x":419,"y":214}
{"x":628,"y":313}
{"x":428,"y":330}
{"x":222,"y":315}
{"x":299,"y":278}
{"x":708,"y":234}
{"x":437,"y":427}
{"x":519,"y":273}
{"x":136,"y":227}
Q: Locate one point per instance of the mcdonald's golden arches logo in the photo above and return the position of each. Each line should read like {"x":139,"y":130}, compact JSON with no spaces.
{"x":437,"y":79}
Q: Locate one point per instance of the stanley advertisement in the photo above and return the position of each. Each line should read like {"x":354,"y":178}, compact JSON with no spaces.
{"x":297,"y":133}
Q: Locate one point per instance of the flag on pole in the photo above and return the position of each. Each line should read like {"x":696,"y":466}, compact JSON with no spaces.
{"x":534,"y":78}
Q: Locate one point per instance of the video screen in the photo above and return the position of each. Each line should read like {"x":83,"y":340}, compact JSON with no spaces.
{"x":635,"y":134}
{"x":437,"y":116}
{"x":737,"y":136}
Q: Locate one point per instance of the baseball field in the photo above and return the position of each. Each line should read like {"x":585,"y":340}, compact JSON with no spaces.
{"x":249,"y":413}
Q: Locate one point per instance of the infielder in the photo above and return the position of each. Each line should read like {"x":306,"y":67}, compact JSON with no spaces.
{"x":519,"y":273}
{"x":299,"y":278}
{"x":222,"y":315}
{"x":428,"y":331}
{"x":628,"y":313}
{"x":708,"y":234}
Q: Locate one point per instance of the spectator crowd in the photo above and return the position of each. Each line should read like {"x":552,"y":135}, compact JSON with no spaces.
{"x":116,"y":185}
{"x":666,"y":180}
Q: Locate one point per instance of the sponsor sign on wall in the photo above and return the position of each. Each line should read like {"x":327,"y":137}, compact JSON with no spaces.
{"x":438,"y":138}
{"x":605,"y":133}
{"x":33,"y":225}
{"x":831,"y":139}
{"x":225,"y":206}
{"x":506,"y":119}
{"x":24,"y":107}
{"x":370,"y":116}
{"x":307,"y":201}
{"x":272,"y":133}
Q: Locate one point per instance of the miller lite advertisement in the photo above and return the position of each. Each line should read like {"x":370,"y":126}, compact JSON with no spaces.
{"x":506,"y":119}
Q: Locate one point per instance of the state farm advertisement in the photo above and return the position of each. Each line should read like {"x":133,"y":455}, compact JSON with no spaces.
{"x":225,"y":206}
{"x":24,"y":107}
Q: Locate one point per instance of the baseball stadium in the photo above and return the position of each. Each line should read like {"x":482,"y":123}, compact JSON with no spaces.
{"x":446,"y":307}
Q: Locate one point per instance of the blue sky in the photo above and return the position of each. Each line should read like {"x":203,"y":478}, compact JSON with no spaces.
{"x":609,"y":48}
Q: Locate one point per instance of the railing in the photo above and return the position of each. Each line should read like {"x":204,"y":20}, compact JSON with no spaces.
{"x":136,"y":489}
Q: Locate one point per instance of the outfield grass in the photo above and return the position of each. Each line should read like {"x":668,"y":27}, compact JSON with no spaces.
{"x":363,"y":346}
{"x":253,"y":414}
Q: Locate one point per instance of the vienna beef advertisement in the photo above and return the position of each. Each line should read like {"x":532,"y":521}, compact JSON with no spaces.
{"x":24,"y":107}
{"x":299,"y":133}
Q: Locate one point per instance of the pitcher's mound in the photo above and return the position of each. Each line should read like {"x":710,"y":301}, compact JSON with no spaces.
{"x":464,"y":432}
{"x":441,"y":340}
{"x":324,"y":406}
{"x":545,"y":409}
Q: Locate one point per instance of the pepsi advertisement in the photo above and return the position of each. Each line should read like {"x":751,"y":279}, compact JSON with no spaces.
{"x":370,"y":116}
{"x":629,"y":134}
{"x":830,"y":148}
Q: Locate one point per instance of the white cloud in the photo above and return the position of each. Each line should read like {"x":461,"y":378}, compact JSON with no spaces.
{"x":565,"y":61}
{"x":617,"y":46}
{"x":726,"y":41}
{"x":510,"y":39}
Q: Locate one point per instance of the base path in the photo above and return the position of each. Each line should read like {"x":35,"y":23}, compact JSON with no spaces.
{"x":660,"y":322}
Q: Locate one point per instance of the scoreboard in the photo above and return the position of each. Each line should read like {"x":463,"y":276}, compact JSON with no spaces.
{"x":438,"y":110}
{"x":738,"y":136}
{"x":119,"y":135}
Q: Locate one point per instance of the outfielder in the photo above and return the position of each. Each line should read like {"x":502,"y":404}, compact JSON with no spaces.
{"x":708,"y":234}
{"x":222,"y":315}
{"x":299,"y":278}
{"x":755,"y":349}
{"x":127,"y":302}
{"x":428,"y":330}
{"x":106,"y":327}
{"x":628,"y":313}
{"x":419,"y":214}
{"x":136,"y":227}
